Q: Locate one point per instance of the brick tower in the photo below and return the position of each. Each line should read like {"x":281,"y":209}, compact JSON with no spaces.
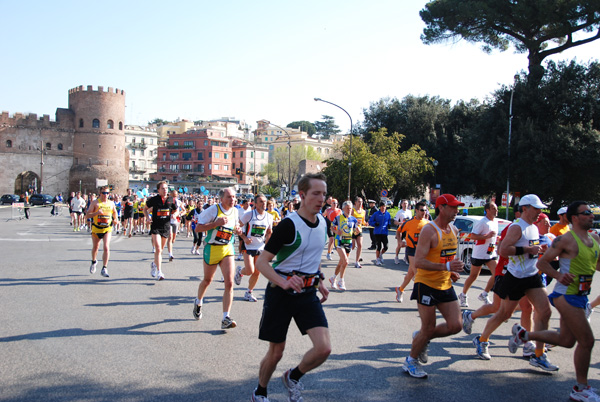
{"x":99,"y":139}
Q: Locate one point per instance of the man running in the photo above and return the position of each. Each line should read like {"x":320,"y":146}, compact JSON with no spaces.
{"x":162,"y":207}
{"x":220,"y":221}
{"x":292,"y":291}
{"x":257,"y":226}
{"x":402,"y":216}
{"x":128,"y":213}
{"x":522,"y":247}
{"x":380,"y":221}
{"x":345,"y":226}
{"x":103,"y":213}
{"x":562,"y":226}
{"x":578,"y":251}
{"x":437,"y":268}
{"x":174,"y":223}
{"x":484,"y":234}
{"x":77,"y":205}
{"x":411,"y":230}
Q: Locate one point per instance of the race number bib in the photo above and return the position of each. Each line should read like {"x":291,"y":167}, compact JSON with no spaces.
{"x":223,"y":235}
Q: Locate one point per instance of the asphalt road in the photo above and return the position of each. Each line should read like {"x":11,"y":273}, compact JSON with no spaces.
{"x":67,"y":335}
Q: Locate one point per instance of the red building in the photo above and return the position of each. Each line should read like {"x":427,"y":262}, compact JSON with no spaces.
{"x":197,"y":152}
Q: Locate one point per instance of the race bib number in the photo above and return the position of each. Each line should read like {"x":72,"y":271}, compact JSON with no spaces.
{"x":491,"y":248}
{"x":223,"y":235}
{"x":258,"y":231}
{"x":103,"y":220}
{"x":447,"y":255}
{"x":585,"y":285}
{"x":535,"y":242}
{"x":162,"y":213}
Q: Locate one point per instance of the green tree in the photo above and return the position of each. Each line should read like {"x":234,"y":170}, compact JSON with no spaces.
{"x":539,"y":28}
{"x":304,"y":125}
{"x":327,"y":127}
{"x":279,"y":171}
{"x":158,"y":122}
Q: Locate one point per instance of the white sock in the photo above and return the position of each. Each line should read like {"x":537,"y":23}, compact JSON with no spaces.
{"x":198,"y":301}
{"x":225,"y":314}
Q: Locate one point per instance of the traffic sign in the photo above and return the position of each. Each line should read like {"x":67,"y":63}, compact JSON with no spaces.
{"x":384,"y":193}
{"x":294,"y":192}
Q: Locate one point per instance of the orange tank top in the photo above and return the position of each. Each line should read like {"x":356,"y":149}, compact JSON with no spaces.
{"x":442,"y":253}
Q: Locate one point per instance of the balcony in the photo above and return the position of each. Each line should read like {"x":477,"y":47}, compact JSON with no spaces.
{"x":138,"y":145}
{"x":181,"y":147}
{"x":137,"y":170}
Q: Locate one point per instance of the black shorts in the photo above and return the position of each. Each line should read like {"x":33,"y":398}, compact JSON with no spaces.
{"x":429,"y":296}
{"x":478,"y":262}
{"x":515,"y":288}
{"x":280,"y":307}
{"x":162,"y":231}
{"x":78,"y":212}
{"x":381,"y":242}
{"x":356,"y":236}
{"x":497,"y":283}
{"x":127,"y":215}
{"x":251,"y":253}
{"x":410,"y":251}
{"x":100,"y":235}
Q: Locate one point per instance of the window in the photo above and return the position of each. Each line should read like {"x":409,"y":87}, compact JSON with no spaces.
{"x":133,"y":152}
{"x":262,"y":155}
{"x":96,"y":123}
{"x":60,"y":147}
{"x":187,"y":167}
{"x":225,"y":167}
{"x":200,"y":156}
{"x":241,"y":154}
{"x":151,"y":141}
{"x":80,"y":122}
{"x":225,"y":156}
{"x":201,"y":168}
{"x":173,"y":156}
{"x":234,"y":154}
{"x":205,"y":142}
{"x":217,"y":155}
{"x":142,"y":152}
{"x":174,"y":167}
{"x":133,"y":140}
{"x":176,"y":143}
{"x":251,"y":167}
{"x":252,"y":154}
{"x":8,"y":144}
{"x":164,"y":157}
{"x":210,"y":154}
{"x":187,"y":156}
{"x":209,"y":166}
{"x":217,"y":167}
{"x":188,"y":144}
{"x":266,"y":139}
{"x":110,"y":124}
{"x":120,"y":125}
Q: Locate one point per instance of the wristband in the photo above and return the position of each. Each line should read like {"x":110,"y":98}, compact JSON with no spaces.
{"x":519,"y":250}
{"x":448,"y":266}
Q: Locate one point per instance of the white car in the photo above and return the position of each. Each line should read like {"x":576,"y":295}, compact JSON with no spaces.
{"x":465,"y":245}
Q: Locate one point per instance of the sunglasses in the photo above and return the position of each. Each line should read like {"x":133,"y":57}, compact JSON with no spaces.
{"x":422,"y":210}
{"x":586,"y":213}
{"x":105,"y":192}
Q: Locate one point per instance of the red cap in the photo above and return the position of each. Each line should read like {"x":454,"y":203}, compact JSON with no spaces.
{"x":448,"y":199}
{"x":541,"y":217}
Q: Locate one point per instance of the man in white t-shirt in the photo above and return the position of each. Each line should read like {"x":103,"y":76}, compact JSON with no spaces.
{"x":403,"y":214}
{"x":485,"y":234}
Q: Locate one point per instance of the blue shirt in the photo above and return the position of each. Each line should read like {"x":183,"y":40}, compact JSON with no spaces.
{"x":380,"y":222}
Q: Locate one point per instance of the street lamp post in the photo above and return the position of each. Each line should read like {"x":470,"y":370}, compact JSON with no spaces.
{"x":510,"y":117}
{"x":289,"y":156}
{"x":349,"y":153}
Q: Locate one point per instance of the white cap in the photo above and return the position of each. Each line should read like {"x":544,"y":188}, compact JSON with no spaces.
{"x":561,"y":211}
{"x":533,"y":200}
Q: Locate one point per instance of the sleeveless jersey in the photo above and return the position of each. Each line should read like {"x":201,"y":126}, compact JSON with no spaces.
{"x":304,"y":253}
{"x":524,"y":265}
{"x":582,"y":266}
{"x":442,"y":253}
{"x":346,"y":224}
{"x":256,"y":228}
{"x":413,"y":228}
{"x":102,"y":223}
{"x":360,"y":217}
{"x":222,"y":235}
{"x":485,"y":249}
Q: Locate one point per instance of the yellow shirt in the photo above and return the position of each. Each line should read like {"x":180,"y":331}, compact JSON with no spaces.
{"x":442,"y":253}
{"x":102,"y":223}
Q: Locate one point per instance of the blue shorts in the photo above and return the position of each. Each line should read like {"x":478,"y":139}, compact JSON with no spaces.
{"x":574,"y":300}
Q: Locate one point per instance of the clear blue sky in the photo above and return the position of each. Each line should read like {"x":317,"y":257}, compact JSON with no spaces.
{"x":250,"y":60}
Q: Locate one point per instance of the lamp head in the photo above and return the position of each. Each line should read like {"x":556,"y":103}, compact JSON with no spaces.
{"x":317,"y":99}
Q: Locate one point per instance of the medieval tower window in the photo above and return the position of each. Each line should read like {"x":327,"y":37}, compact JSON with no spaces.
{"x":60,"y":147}
{"x":48,"y":146}
{"x":8,"y":144}
{"x":120,"y":125}
{"x":96,"y":123}
{"x":80,"y":122}
{"x":110,"y":124}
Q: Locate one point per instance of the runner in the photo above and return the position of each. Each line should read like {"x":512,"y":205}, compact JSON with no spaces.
{"x":273,"y":212}
{"x":484,"y":234}
{"x":197,"y":235}
{"x":292,"y":291}
{"x":345,"y":227}
{"x":77,"y":205}
{"x":357,"y":238}
{"x":402,"y":216}
{"x":562,"y":226}
{"x":162,"y":208}
{"x":258,"y":225}
{"x":103,"y":213}
{"x":128,"y":213}
{"x":330,"y":214}
{"x":578,"y":251}
{"x":381,"y":221}
{"x":220,"y":221}
{"x":410,"y":230}
{"x":437,"y":268}
{"x":174,"y":223}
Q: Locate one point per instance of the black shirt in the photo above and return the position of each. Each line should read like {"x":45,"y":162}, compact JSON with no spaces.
{"x":161,"y":211}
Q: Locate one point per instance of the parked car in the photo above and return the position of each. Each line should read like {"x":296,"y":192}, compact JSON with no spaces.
{"x":9,"y":199}
{"x":40,"y":199}
{"x":465,"y":245}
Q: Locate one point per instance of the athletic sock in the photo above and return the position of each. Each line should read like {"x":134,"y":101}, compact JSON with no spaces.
{"x":581,"y":387}
{"x":225,"y":314}
{"x":260,"y":391}
{"x":296,"y":374}
{"x":198,"y":301}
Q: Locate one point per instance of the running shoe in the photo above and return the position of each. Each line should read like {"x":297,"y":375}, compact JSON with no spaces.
{"x":197,"y":251}
{"x":239,"y":257}
{"x":333,"y":284}
{"x":153,"y":269}
{"x":405,"y":260}
{"x":483,"y":297}
{"x":93,"y":267}
{"x":248,"y":296}
{"x":543,"y":363}
{"x":588,"y":311}
{"x":197,"y":310}
{"x":357,"y":265}
{"x":238,"y":275}
{"x":482,"y":348}
{"x":193,"y":251}
{"x":528,"y":349}
{"x":171,"y":258}
{"x":328,"y":256}
{"x":463,"y":299}
{"x":413,"y":368}
{"x":380,"y":260}
{"x":294,"y":388}
{"x":160,"y":276}
{"x":467,"y":321}
{"x":228,"y":323}
{"x":104,"y":272}
{"x":424,"y":355}
{"x":341,"y":284}
{"x":396,"y":260}
{"x":587,"y":394}
{"x":399,"y":295}
{"x":516,"y":339}
{"x":258,"y":398}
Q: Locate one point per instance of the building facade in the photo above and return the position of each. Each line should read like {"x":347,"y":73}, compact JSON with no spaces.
{"x":142,"y":144}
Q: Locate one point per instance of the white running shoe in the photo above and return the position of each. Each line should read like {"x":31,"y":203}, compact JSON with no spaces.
{"x":328,"y":256}
{"x":93,"y":267}
{"x":294,"y":388}
{"x":464,"y":300}
{"x":380,"y":260}
{"x":483,"y":297}
{"x":332,"y":282}
{"x":587,"y":394}
{"x":467,"y":321}
{"x":588,"y":311}
{"x":341,"y":284}
{"x":104,"y":272}
{"x":396,"y":260}
{"x":413,"y":368}
{"x":238,"y":275}
{"x":193,"y":250}
{"x":399,"y":295}
{"x":160,"y":276}
{"x":528,"y":349}
{"x":153,"y":269}
{"x":515,"y":340}
{"x":248,"y":296}
{"x":357,"y":265}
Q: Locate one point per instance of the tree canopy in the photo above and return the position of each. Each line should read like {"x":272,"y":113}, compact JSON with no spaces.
{"x":327,"y":127}
{"x":538,"y":27}
{"x":280,"y":170}
{"x":158,"y":122}
{"x":304,"y":125}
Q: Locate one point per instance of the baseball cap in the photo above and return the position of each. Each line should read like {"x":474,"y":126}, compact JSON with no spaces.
{"x":533,"y":200}
{"x":448,"y":199}
{"x":371,"y":201}
{"x":541,"y":217}
{"x":562,"y":210}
